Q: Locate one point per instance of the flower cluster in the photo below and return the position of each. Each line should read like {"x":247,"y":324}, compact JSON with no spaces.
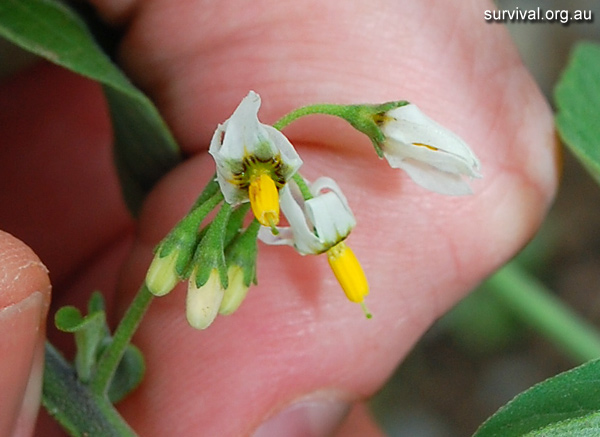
{"x":257,"y":168}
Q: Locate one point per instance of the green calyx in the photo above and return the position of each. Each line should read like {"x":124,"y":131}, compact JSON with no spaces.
{"x":209,"y":254}
{"x":364,"y":118}
{"x":242,"y":252}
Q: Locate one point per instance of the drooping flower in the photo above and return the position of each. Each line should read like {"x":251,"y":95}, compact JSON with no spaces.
{"x":254,"y":161}
{"x":316,"y":224}
{"x":320,"y":224}
{"x":433,"y":156}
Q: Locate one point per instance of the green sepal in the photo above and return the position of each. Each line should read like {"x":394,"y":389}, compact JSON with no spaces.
{"x":243,"y":250}
{"x":209,"y":254}
{"x":185,"y":236}
{"x":211,"y":188}
{"x":90,"y":331}
{"x":368,"y":118}
{"x":235,"y":223}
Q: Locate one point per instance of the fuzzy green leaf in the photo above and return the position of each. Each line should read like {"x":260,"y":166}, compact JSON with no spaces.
{"x":129,"y":374}
{"x":577,"y":97}
{"x":68,"y":319}
{"x":89,"y":332}
{"x":144,"y":147}
{"x":567,"y":404}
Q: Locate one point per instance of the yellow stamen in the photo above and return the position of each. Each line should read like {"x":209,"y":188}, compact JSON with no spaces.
{"x":264,"y":200}
{"x":427,"y":146}
{"x":349,"y":273}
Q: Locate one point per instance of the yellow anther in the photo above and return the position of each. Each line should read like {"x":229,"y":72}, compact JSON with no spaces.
{"x":348,"y":272}
{"x":264,"y":200}
{"x":427,"y":146}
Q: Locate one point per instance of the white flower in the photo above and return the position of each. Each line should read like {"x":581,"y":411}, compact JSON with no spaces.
{"x":253,"y":160}
{"x":433,"y":156}
{"x":321,"y":224}
{"x":316,"y":224}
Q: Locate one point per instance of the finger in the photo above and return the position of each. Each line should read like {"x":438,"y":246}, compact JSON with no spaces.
{"x":24,"y":300}
{"x":296,"y":342}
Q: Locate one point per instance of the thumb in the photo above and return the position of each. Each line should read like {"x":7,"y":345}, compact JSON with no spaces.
{"x":24,"y":299}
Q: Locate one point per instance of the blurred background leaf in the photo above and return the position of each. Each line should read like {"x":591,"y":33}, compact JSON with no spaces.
{"x":567,"y":404}
{"x":577,"y":97}
{"x":144,"y":147}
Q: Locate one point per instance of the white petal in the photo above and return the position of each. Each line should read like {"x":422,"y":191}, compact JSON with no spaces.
{"x":324,"y":183}
{"x":285,"y":237}
{"x":411,"y":131}
{"x":242,"y":135}
{"x":289,"y":156}
{"x":333,"y":221}
{"x":305,"y":241}
{"x":239,"y":132}
{"x":434,"y":179}
{"x":315,"y":225}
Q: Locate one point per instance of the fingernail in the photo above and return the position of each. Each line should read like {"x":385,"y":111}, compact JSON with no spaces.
{"x":306,"y":418}
{"x":20,"y":329}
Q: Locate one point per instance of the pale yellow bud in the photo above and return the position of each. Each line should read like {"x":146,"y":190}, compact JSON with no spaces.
{"x":202,"y":303}
{"x":162,"y":277}
{"x":235,"y":292}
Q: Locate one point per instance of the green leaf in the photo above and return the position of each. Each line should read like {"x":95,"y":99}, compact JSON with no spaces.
{"x":96,"y":303}
{"x":68,"y":319}
{"x":577,"y":97}
{"x":588,"y":426}
{"x":144,"y":147}
{"x":129,"y":374}
{"x":89,"y":332}
{"x":569,"y":403}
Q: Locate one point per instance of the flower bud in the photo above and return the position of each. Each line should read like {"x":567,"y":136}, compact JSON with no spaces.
{"x":236,"y":291}
{"x":434,"y":157}
{"x":162,"y":276}
{"x":202,"y":303}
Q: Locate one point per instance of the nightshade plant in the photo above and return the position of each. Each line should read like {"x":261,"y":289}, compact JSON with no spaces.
{"x":257,"y":182}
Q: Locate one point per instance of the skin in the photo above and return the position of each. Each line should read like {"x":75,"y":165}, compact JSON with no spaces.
{"x":296,"y":336}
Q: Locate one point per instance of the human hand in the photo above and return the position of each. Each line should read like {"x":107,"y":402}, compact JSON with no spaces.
{"x":295,"y":338}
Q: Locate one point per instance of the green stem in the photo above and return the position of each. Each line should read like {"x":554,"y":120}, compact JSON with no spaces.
{"x":538,"y":307}
{"x":74,"y":406}
{"x":304,"y":190}
{"x":324,"y":108}
{"x":211,"y":188}
{"x":110,"y":359}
